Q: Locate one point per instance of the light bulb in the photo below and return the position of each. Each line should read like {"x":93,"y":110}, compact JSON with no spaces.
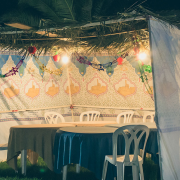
{"x":142,"y":56}
{"x":65,"y":59}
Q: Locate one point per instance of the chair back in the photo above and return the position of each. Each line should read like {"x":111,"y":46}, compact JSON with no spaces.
{"x":132,"y":134}
{"x":52,"y":117}
{"x":91,"y":115}
{"x":127,"y":117}
{"x":152,"y":114}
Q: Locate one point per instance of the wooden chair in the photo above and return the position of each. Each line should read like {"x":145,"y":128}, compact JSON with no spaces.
{"x":127,"y":117}
{"x":91,"y":116}
{"x":120,"y":161}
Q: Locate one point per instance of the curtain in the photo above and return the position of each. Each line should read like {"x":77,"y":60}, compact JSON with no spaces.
{"x":165,"y":49}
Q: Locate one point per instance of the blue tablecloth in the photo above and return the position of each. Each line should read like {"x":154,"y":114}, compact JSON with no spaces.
{"x":89,"y":150}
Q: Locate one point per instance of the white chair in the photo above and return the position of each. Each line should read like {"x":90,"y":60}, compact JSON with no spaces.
{"x":127,"y":117}
{"x":134,"y":160}
{"x":91,"y":115}
{"x":146,"y":114}
{"x":52,"y":117}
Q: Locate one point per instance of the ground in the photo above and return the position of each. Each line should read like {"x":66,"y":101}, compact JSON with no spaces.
{"x":41,"y":172}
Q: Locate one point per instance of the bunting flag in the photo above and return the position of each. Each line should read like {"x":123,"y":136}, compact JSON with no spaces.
{"x":81,"y":66}
{"x":107,"y":60}
{"x":84,"y":60}
{"x":3,"y":60}
{"x":41,"y":60}
{"x":14,"y":70}
{"x":42,"y":66}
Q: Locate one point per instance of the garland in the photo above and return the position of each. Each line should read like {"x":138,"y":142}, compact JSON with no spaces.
{"x":142,"y":67}
{"x":99,"y":67}
{"x":45,"y":69}
{"x":14,"y":70}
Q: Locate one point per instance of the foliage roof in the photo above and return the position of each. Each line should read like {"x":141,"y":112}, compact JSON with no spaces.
{"x":61,"y":24}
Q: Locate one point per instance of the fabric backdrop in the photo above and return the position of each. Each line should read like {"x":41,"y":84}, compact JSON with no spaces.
{"x":119,"y":86}
{"x":165,"y":44}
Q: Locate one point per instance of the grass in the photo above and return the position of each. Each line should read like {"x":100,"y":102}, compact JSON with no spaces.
{"x":41,"y":172}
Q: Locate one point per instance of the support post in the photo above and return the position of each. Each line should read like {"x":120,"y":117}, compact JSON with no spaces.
{"x":23,"y":161}
{"x":70,"y":97}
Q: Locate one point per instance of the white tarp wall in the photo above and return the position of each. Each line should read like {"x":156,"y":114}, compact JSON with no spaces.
{"x":28,"y":95}
{"x":165,"y":47}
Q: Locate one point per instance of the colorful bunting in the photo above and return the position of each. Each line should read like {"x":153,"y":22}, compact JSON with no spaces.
{"x":99,"y":67}
{"x":14,"y":70}
{"x":45,"y":69}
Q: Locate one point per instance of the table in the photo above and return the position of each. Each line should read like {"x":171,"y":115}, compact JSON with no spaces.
{"x":92,"y":123}
{"x":150,"y":125}
{"x":37,"y":137}
{"x":88,"y":146}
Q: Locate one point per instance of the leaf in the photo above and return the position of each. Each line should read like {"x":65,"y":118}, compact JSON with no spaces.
{"x":57,"y":11}
{"x":83,"y":9}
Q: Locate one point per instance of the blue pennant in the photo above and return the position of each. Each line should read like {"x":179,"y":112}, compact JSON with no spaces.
{"x":104,"y":60}
{"x":44,"y":60}
{"x":82,"y":67}
{"x":3,"y":60}
{"x":23,"y":66}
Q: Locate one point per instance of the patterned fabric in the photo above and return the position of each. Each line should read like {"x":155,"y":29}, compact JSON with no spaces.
{"x":37,"y":92}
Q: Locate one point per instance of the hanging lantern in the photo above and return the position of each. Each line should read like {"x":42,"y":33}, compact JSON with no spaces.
{"x":119,"y":60}
{"x":32,"y":49}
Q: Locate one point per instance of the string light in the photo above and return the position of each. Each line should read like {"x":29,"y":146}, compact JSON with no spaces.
{"x":142,"y":56}
{"x":65,"y":59}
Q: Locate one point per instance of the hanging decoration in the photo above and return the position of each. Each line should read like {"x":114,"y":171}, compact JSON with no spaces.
{"x":32,"y":49}
{"x":119,"y":60}
{"x":142,"y":67}
{"x":71,"y":106}
{"x":45,"y":69}
{"x":147,"y":68}
{"x":56,"y":57}
{"x":14,"y":70}
{"x":84,"y":60}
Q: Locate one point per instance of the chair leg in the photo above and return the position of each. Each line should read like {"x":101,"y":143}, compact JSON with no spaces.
{"x":104,"y":170}
{"x":23,"y":161}
{"x":78,"y":168}
{"x":64,"y":172}
{"x":135,"y":170}
{"x":120,"y":171}
{"x":141,"y":171}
